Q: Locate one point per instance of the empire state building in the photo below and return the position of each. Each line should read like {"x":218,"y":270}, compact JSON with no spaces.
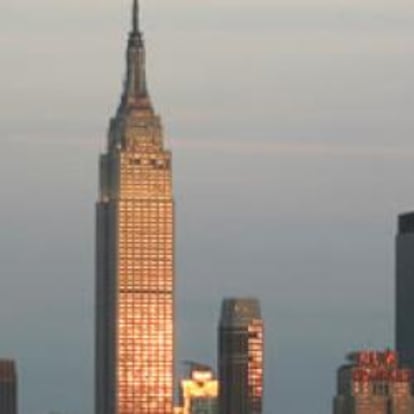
{"x":135,"y":254}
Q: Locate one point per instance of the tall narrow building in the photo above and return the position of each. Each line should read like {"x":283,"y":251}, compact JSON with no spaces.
{"x":135,"y":254}
{"x":405,"y":290}
{"x":241,"y":350}
{"x":8,"y":387}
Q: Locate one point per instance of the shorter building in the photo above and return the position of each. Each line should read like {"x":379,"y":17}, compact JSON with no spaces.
{"x":8,"y":387}
{"x":241,"y":357}
{"x":199,"y":393}
{"x":373,"y":383}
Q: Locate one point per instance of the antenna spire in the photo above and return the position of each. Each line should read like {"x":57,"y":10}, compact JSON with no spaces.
{"x":135,"y":17}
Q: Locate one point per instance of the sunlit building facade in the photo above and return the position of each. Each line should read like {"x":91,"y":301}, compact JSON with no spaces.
{"x":241,"y":357}
{"x":199,"y":392}
{"x":8,"y":387}
{"x":135,"y":254}
{"x":373,"y":383}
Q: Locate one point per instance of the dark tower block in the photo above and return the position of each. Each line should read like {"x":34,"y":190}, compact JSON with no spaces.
{"x":405,"y":290}
{"x":135,"y":254}
{"x":241,"y":342}
{"x":8,"y":387}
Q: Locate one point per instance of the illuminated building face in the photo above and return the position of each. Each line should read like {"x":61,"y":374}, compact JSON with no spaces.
{"x":135,"y":256}
{"x":199,"y":393}
{"x":255,"y":365}
{"x":145,"y":278}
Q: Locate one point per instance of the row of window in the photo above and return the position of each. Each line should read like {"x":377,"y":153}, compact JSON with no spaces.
{"x":132,"y":207}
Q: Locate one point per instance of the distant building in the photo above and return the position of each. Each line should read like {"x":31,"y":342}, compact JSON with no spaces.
{"x":373,"y":383}
{"x":241,"y":348}
{"x":199,"y":393}
{"x":405,"y":290}
{"x":8,"y":387}
{"x":135,"y":296}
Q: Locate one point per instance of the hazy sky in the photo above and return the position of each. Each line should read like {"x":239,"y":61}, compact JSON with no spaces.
{"x":291,"y":124}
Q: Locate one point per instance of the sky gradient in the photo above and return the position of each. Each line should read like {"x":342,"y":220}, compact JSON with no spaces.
{"x":291,"y":127}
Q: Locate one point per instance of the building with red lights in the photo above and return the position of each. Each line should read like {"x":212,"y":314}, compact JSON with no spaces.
{"x":373,"y":383}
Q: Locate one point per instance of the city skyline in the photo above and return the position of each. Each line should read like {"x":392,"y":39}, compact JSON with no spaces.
{"x":265,"y":157}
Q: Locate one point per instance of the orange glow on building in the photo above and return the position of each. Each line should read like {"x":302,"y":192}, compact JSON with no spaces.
{"x":135,"y":255}
{"x":255,"y":365}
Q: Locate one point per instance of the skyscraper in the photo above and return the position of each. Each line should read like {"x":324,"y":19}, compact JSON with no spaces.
{"x":241,"y":349}
{"x":373,"y":383}
{"x":405,"y":290}
{"x":8,"y":387}
{"x":135,"y":254}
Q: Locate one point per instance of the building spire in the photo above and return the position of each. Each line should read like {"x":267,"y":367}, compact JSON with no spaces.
{"x":135,"y":17}
{"x":135,"y":90}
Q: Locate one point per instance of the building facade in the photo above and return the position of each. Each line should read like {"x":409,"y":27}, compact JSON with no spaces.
{"x":199,"y":392}
{"x":241,"y":357}
{"x":135,"y":254}
{"x":405,"y":290}
{"x":8,"y":387}
{"x":373,"y":383}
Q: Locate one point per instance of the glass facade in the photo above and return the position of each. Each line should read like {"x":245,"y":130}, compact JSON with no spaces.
{"x":135,"y":255}
{"x":241,"y":353}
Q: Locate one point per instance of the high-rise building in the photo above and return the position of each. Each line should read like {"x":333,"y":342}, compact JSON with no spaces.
{"x":405,"y":290}
{"x":241,"y":351}
{"x":373,"y":383}
{"x":199,"y":392}
{"x":135,"y":254}
{"x":8,"y":387}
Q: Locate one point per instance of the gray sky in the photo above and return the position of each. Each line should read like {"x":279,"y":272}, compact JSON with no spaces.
{"x":291,"y":126}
